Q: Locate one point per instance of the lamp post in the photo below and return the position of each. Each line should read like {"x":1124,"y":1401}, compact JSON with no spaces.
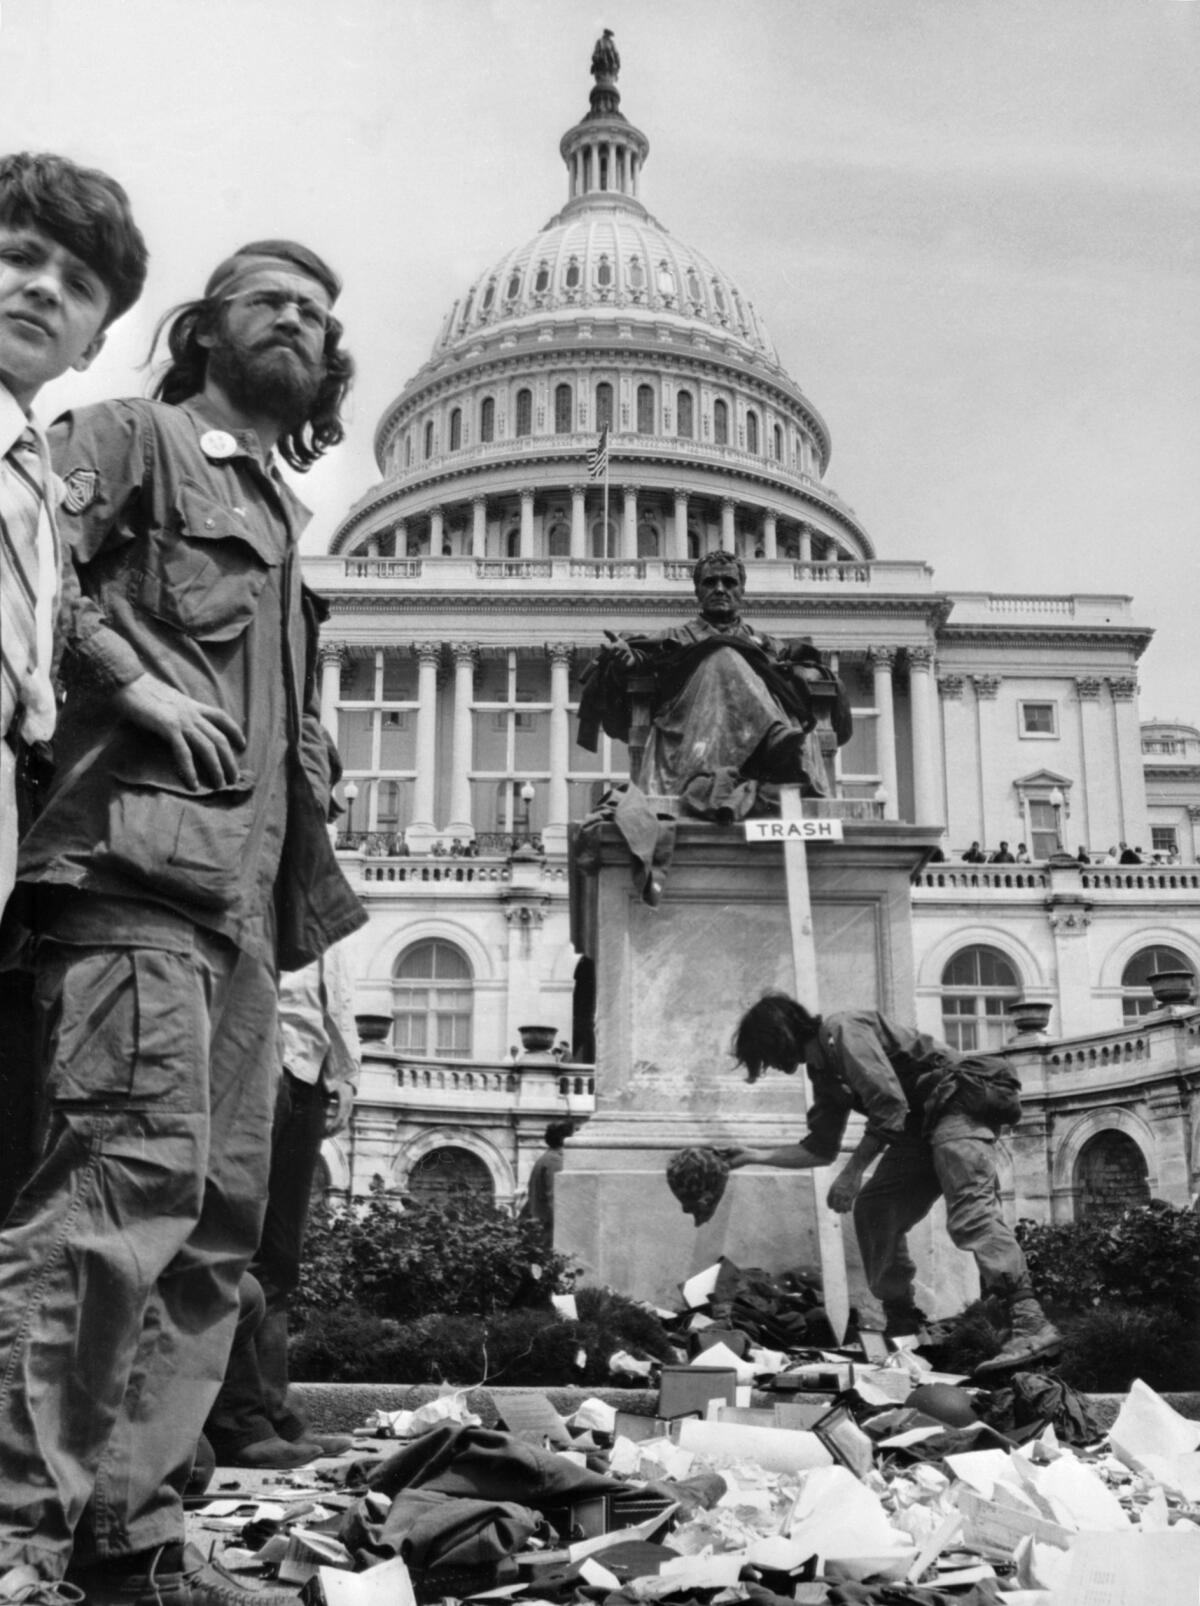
{"x":350,"y":792}
{"x":1057,"y":801}
{"x":527,"y":794}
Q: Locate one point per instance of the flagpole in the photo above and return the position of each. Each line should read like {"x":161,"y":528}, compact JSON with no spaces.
{"x":607,"y":553}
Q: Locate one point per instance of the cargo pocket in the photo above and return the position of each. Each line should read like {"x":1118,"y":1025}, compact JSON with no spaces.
{"x":185,"y":845}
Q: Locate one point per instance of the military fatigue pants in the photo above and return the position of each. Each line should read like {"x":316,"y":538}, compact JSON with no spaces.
{"x":120,"y":1262}
{"x":958,"y":1164}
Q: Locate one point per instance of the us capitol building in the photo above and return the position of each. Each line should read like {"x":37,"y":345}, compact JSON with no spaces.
{"x":471,"y":586}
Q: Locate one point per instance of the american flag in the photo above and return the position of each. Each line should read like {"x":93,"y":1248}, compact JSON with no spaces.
{"x":598,"y":456}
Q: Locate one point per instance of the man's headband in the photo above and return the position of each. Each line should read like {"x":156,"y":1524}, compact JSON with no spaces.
{"x":263,"y":255}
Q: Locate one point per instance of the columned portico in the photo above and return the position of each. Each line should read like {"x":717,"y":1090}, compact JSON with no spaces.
{"x":465,"y":655}
{"x":881,"y":660}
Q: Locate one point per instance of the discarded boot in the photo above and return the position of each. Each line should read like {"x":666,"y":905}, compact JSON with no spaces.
{"x":272,"y":1454}
{"x":903,"y":1320}
{"x":1033,"y":1335}
{"x":174,"y":1575}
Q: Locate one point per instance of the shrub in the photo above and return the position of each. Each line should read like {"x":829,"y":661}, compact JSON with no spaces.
{"x":404,"y":1259}
{"x":1145,"y":1257}
{"x":1107,"y":1349}
{"x":508,"y":1348}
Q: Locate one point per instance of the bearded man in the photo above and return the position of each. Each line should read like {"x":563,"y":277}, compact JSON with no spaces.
{"x":181,"y":860}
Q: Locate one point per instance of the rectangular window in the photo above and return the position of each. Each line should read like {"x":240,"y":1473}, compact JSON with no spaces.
{"x":1163,"y":839}
{"x":1039,"y":719}
{"x":1043,"y":830}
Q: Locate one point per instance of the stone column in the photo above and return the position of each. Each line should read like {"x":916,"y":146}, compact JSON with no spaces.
{"x":770,"y":538}
{"x":805,"y":544}
{"x":992,"y":825}
{"x":527,"y":522}
{"x":679,"y":549}
{"x":479,"y":526}
{"x":629,"y":522}
{"x":437,"y":529}
{"x":1096,"y":818}
{"x":579,"y":521}
{"x":333,"y":656}
{"x":372,"y":546}
{"x":728,"y":538}
{"x":881,"y":660}
{"x":559,"y":654}
{"x":1127,"y":737}
{"x":429,"y":656}
{"x":927,"y":801}
{"x":461,"y":823}
{"x":958,"y":741}
{"x":400,"y":538}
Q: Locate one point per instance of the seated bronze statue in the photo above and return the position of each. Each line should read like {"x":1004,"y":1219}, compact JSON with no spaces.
{"x":732,"y":713}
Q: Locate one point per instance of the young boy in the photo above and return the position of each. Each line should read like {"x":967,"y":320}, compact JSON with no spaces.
{"x":71,"y":261}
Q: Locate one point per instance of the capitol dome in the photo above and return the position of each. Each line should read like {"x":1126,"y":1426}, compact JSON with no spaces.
{"x":603,"y":321}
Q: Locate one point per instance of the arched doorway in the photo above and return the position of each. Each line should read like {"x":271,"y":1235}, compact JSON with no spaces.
{"x":449,"y":1172}
{"x":1110,"y":1175}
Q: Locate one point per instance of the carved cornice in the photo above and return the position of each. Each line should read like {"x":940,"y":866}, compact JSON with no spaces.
{"x":1040,"y":637}
{"x":798,"y":613}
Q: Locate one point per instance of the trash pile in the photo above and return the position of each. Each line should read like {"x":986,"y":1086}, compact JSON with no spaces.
{"x":876,"y":1482}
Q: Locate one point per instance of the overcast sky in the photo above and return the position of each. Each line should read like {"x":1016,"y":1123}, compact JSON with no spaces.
{"x":971,"y":227}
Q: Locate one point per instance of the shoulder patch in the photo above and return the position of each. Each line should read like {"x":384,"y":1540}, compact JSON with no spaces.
{"x":82,"y":487}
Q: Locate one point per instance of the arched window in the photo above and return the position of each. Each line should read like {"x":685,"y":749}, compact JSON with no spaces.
{"x":542,"y":283}
{"x":718,"y":296}
{"x":514,"y":287}
{"x":429,"y":439}
{"x":1137,"y":998}
{"x":685,"y":414}
{"x":604,"y":273}
{"x":979,"y":986}
{"x":752,"y":431}
{"x":645,"y":410}
{"x":666,"y":279}
{"x":721,"y":422}
{"x":524,"y":413}
{"x":693,"y":284}
{"x":604,"y":405}
{"x":487,"y":419}
{"x":456,"y":429}
{"x":558,"y":539}
{"x":647,"y":540}
{"x":602,"y":548}
{"x":637,"y":274}
{"x":1110,"y":1175}
{"x":562,"y":409}
{"x":467,"y":304}
{"x":447,"y":1173}
{"x":489,"y":295}
{"x":433,"y":993}
{"x":777,"y":444}
{"x":408,"y":450}
{"x":571,"y":277}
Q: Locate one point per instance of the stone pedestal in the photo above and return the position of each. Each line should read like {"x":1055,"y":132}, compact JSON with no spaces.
{"x":671,"y":983}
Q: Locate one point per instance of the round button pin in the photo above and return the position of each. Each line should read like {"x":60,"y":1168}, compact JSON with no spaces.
{"x":217,"y":444}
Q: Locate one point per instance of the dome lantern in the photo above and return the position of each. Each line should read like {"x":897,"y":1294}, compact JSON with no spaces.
{"x":604,"y":152}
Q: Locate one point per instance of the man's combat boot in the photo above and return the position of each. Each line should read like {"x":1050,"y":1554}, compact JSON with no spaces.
{"x":1032,"y":1334}
{"x":173,"y":1575}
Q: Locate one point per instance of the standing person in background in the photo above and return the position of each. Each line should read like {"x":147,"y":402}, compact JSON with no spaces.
{"x":181,"y":860}
{"x":539,"y":1201}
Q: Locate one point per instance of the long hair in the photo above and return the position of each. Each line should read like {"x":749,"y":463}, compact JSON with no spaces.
{"x":773,"y":1032}
{"x":184,"y":377}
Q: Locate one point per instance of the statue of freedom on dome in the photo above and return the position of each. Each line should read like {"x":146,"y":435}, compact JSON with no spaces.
{"x":606,"y":63}
{"x":733,"y":712}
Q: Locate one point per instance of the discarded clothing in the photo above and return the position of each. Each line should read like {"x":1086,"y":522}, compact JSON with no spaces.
{"x":480,"y":1463}
{"x":1036,"y":1401}
{"x":697,"y":1178}
{"x":429,"y":1529}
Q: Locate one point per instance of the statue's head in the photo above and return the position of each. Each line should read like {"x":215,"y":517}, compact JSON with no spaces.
{"x":720,"y":579}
